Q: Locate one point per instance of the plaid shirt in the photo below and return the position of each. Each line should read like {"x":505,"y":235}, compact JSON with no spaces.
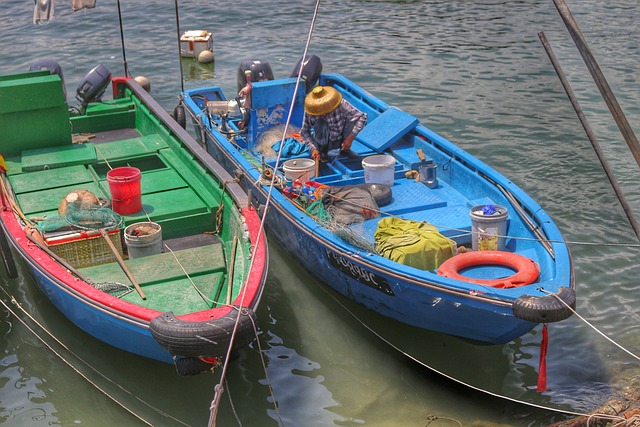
{"x":336,"y":119}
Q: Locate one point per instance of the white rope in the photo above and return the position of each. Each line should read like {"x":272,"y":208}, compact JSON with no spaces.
{"x":215,"y":404}
{"x":500,"y":396}
{"x":70,"y":365}
{"x":635,"y":356}
{"x":202,"y":295}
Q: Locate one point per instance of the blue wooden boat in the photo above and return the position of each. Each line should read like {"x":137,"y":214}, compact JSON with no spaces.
{"x":129,"y":228}
{"x":515,"y":272}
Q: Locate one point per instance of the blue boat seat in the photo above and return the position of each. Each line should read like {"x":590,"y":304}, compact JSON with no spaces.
{"x":411,"y":197}
{"x":386,"y":129}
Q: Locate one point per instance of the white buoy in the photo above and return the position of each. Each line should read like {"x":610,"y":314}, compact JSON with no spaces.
{"x":144,"y":82}
{"x":205,"y":57}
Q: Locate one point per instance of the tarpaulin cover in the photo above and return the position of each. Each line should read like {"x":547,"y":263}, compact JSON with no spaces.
{"x":417,"y":244}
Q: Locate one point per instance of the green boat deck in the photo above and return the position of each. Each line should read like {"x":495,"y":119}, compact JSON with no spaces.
{"x":172,"y":196}
{"x":41,"y":178}
{"x":163,"y":280}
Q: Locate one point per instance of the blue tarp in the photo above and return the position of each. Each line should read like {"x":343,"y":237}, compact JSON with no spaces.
{"x":292,"y":147}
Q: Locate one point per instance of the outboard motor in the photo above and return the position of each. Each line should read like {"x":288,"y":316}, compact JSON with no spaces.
{"x":260,"y":72}
{"x":311,"y":70}
{"x":93,"y":85}
{"x":53,"y":67}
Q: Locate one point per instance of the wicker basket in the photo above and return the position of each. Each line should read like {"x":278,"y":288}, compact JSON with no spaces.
{"x":86,"y":248}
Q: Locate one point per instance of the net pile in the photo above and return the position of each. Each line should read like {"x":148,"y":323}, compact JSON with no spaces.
{"x":272,"y":138}
{"x":81,"y":216}
{"x":343,"y":210}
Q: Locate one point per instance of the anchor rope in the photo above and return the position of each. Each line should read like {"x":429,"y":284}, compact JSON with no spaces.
{"x":429,"y":367}
{"x":84,"y":362}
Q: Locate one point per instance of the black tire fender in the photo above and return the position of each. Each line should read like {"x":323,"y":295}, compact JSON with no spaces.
{"x":546,"y":309}
{"x":180,"y":117}
{"x":203,"y":339}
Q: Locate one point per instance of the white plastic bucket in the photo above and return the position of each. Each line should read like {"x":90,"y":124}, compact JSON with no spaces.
{"x":299,"y":169}
{"x":488,"y":229}
{"x":379,"y":169}
{"x":143,"y":239}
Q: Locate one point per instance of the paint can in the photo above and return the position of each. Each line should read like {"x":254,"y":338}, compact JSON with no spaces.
{"x":488,"y":227}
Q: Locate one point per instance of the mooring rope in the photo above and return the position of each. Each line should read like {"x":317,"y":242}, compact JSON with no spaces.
{"x":75,"y":369}
{"x":215,"y":404}
{"x":488,"y":392}
{"x":635,"y":356}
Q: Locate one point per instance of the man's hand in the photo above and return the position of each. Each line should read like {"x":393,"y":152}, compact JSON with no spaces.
{"x":315,"y":154}
{"x":346,"y":144}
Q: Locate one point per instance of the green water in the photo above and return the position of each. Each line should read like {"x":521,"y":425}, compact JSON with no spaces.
{"x":473,"y":71}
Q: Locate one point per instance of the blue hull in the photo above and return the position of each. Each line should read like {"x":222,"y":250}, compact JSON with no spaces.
{"x":415,"y":297}
{"x":102,"y":323}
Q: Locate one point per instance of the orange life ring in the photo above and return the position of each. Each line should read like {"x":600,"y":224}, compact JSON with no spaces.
{"x":526,"y":270}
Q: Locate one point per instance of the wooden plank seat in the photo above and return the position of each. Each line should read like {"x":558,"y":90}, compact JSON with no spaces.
{"x":125,"y":148}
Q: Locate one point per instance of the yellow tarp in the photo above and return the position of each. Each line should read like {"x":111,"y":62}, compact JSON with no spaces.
{"x":417,"y":244}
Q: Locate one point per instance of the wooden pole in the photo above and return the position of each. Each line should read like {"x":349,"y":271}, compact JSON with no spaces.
{"x":122,"y":264}
{"x":231,"y":268}
{"x":605,"y":165}
{"x":599,"y":78}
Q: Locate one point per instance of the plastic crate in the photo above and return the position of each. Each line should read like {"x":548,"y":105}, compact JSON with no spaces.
{"x":85,"y":248}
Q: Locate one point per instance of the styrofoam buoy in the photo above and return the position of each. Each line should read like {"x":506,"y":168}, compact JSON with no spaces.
{"x":144,"y":82}
{"x":205,"y":57}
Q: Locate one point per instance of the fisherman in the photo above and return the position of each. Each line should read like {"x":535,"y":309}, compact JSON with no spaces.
{"x":330,"y":123}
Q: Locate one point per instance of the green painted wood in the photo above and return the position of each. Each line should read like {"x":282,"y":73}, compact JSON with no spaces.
{"x":180,"y":296}
{"x":133,"y":147}
{"x":37,"y":115}
{"x":50,"y":178}
{"x":162,"y":267}
{"x":56,"y":157}
{"x":40,"y":203}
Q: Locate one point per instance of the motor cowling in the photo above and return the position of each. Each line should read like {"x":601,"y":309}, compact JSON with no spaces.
{"x":93,"y":85}
{"x":311,"y":70}
{"x":260,"y":72}
{"x":53,"y":67}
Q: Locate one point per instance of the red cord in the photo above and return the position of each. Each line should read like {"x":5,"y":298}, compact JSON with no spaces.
{"x":542,"y":372}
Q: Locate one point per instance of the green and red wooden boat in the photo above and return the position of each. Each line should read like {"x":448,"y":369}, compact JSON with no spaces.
{"x":129,"y":228}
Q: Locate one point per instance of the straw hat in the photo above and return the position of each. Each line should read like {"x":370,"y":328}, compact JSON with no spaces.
{"x":322,"y":100}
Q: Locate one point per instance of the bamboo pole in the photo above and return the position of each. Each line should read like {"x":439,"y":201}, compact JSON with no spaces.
{"x":596,"y":146}
{"x":598,"y":77}
{"x":231,"y":268}
{"x":122,"y":264}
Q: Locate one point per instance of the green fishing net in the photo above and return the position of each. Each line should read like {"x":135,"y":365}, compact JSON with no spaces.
{"x":81,"y":216}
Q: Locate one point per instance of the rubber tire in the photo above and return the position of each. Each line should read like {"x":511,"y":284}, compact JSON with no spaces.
{"x":189,"y":366}
{"x":381,"y":193}
{"x":545,"y":309}
{"x":202,"y":339}
{"x":179,"y":116}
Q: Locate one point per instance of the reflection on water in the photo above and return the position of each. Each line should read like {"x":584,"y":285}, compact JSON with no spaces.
{"x":192,"y":69}
{"x":473,"y":71}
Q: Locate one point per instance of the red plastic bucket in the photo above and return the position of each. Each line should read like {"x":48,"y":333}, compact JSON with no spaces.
{"x":124,"y":185}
